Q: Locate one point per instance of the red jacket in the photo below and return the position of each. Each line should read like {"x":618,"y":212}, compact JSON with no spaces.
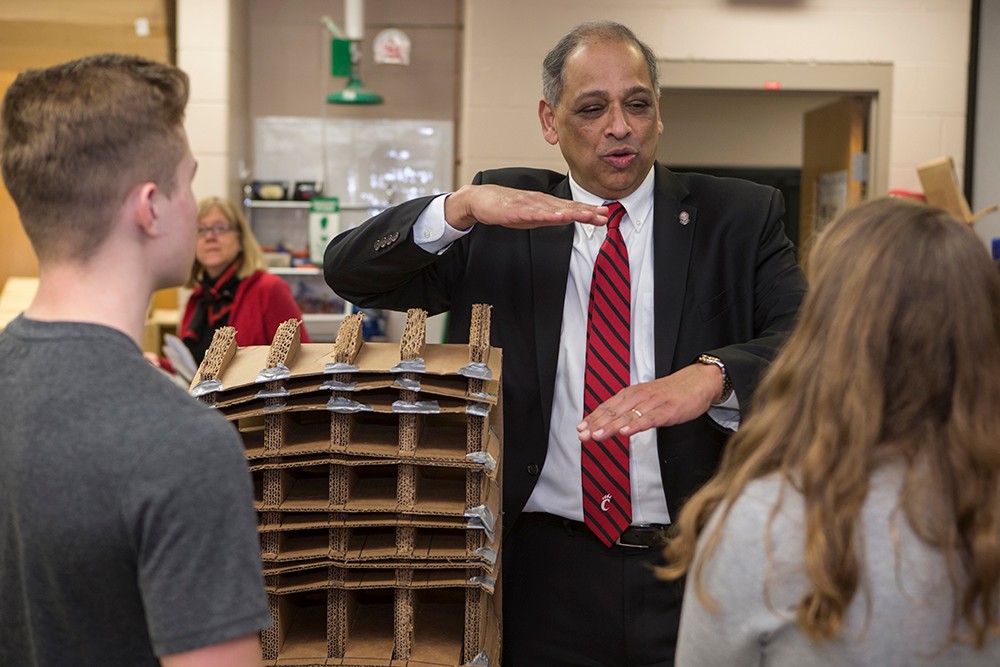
{"x":262,"y":302}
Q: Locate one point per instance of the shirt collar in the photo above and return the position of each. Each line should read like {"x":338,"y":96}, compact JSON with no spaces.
{"x":638,"y":205}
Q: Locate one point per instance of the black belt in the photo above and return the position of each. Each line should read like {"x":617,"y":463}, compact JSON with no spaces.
{"x":644,"y":536}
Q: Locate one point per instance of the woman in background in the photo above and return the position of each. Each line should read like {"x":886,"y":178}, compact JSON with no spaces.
{"x":232,"y":286}
{"x":855,"y":519}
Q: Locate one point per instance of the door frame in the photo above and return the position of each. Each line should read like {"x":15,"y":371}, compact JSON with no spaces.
{"x":874,"y":79}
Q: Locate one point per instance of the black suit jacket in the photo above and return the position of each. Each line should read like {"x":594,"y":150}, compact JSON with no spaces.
{"x":727,"y":283}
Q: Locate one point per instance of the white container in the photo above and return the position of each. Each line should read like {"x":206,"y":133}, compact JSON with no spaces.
{"x":324,"y":223}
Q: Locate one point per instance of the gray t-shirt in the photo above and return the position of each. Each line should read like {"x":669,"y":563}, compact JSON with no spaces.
{"x":127,"y":529}
{"x":905,"y":580}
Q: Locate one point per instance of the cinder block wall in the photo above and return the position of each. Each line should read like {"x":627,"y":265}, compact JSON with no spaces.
{"x":926,"y":40}
{"x":212,"y":49}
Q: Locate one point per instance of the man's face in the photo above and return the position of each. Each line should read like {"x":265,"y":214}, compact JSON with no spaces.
{"x":607,"y":122}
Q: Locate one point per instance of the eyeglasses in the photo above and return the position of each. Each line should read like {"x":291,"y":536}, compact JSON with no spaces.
{"x":218,"y":229}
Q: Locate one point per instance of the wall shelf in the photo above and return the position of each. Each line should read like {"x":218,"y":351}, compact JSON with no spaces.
{"x":296,"y":270}
{"x":296,"y":204}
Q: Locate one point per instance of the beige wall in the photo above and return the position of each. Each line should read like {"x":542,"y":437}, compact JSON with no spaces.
{"x":927,"y":41}
{"x":290,"y":59}
{"x":47,"y":32}
{"x":17,"y":258}
{"x":251,"y":58}
{"x":734,"y":129}
{"x":212,"y":49}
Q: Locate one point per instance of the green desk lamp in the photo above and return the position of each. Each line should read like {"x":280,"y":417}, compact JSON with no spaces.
{"x":345,"y":58}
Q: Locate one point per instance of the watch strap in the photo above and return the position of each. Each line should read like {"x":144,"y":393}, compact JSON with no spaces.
{"x":727,"y":386}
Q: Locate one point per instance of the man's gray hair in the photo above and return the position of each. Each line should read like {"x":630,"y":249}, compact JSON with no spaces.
{"x":595,"y":31}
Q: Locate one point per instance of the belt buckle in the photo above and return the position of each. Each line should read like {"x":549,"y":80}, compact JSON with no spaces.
{"x":648,"y":536}
{"x":630,"y":545}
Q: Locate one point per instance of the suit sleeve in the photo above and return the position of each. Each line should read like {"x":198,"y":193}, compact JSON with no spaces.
{"x":778,"y":288}
{"x":378,"y":264}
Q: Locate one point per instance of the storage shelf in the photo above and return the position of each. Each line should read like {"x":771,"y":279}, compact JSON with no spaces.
{"x":323,"y":327}
{"x":296,"y":270}
{"x":323,"y":317}
{"x":275,"y":203}
{"x":284,"y":222}
{"x":297,"y":204}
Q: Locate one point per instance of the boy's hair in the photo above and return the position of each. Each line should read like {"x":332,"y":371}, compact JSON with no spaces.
{"x":77,"y":137}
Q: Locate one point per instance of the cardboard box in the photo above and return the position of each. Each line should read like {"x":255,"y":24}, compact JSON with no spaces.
{"x":941,"y":189}
{"x":377,"y":483}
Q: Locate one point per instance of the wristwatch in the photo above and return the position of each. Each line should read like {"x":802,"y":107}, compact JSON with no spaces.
{"x":727,"y":386}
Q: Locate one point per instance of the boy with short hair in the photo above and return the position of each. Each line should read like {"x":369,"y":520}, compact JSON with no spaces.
{"x":127,"y":534}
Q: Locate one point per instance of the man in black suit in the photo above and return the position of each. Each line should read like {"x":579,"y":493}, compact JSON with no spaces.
{"x":714,"y":289}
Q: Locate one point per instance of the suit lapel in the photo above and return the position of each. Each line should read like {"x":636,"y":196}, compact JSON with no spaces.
{"x":550,"y":252}
{"x":672,"y":241}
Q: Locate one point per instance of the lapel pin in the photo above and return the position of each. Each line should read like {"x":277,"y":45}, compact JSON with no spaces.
{"x":684,"y":217}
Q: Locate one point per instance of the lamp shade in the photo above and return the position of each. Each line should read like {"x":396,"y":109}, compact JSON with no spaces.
{"x":354,"y":93}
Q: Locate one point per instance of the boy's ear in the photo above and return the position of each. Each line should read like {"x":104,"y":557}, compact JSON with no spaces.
{"x":142,"y":205}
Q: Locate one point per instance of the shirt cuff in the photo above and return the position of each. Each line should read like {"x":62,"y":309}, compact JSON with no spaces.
{"x":431,"y":232}
{"x":727,"y":413}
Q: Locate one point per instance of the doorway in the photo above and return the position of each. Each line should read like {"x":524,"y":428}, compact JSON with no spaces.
{"x":748,"y":120}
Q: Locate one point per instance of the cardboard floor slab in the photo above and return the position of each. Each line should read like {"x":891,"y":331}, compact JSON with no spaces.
{"x":374,"y":543}
{"x":310,"y":365}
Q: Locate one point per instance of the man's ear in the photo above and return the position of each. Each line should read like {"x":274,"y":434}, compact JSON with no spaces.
{"x":142,"y":202}
{"x":547,"y":115}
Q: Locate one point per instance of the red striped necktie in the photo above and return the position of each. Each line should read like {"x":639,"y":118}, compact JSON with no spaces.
{"x":607,"y":497}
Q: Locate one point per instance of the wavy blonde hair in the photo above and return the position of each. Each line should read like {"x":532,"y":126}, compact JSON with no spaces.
{"x":253,"y":256}
{"x":896,"y":354}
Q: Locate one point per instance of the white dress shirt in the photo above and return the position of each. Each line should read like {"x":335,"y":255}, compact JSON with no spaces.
{"x":559,"y":490}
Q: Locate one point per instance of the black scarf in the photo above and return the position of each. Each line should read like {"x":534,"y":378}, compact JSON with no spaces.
{"x":213,"y":302}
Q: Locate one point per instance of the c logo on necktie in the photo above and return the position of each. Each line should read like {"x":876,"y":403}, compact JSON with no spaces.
{"x":606,"y":503}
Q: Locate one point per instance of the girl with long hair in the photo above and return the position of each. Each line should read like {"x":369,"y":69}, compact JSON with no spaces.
{"x":855,"y":519}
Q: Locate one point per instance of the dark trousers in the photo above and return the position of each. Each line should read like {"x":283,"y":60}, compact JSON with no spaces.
{"x":570,"y":601}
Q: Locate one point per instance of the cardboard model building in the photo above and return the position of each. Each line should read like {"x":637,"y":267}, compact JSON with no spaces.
{"x":376,"y":470}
